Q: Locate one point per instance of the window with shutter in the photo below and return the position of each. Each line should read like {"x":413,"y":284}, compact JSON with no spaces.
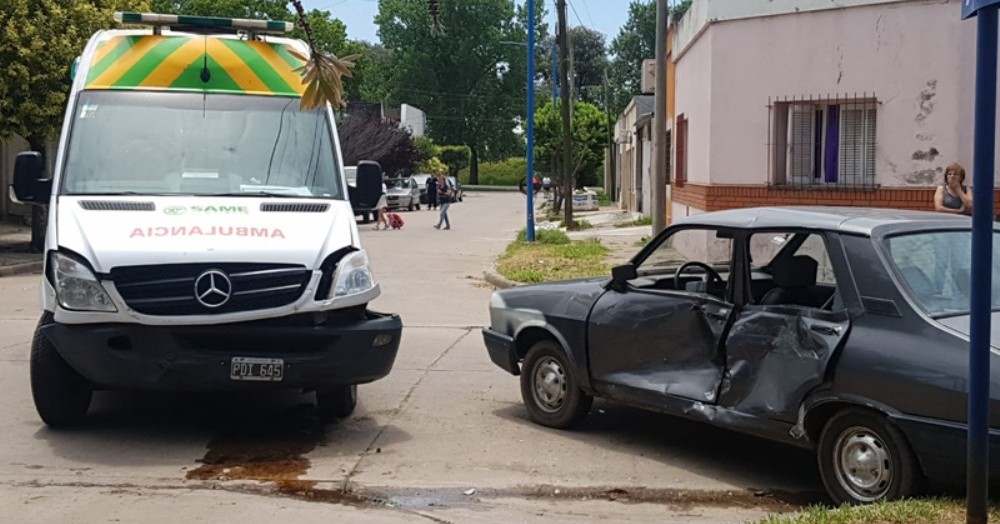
{"x":824,"y":144}
{"x":801,"y":136}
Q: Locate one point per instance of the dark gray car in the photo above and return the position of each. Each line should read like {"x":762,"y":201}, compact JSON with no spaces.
{"x":842,"y":330}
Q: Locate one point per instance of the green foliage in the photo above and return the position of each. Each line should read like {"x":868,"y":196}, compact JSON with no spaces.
{"x":930,"y":511}
{"x":425,"y":148}
{"x":506,"y":173}
{"x":470,"y":82}
{"x":544,"y":236}
{"x":552,"y":257}
{"x":370,"y":74}
{"x":40,"y":40}
{"x":432,"y":165}
{"x":641,"y":221}
{"x":261,"y":9}
{"x":455,"y":157}
{"x":635,"y":41}
{"x":576,"y":225}
{"x":590,"y":59}
{"x":590,"y":136}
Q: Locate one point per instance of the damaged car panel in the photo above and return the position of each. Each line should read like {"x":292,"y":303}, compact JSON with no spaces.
{"x":836,"y":329}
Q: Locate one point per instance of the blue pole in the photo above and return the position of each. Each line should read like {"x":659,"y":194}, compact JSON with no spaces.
{"x":555,"y":75}
{"x":530,"y":232}
{"x":977,"y":468}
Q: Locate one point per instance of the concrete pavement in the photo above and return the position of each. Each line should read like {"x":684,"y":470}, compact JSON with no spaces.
{"x":444,"y":437}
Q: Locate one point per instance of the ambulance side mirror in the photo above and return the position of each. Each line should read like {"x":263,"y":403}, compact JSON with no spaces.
{"x":369,"y":184}
{"x":29,"y":186}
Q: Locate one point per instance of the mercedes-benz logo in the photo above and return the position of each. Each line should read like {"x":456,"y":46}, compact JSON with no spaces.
{"x":213,"y":288}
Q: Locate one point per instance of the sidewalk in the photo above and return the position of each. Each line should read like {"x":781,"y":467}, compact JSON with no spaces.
{"x":15,"y":257}
{"x":622,"y":242}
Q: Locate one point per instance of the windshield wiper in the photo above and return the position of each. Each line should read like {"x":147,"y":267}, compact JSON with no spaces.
{"x":270,"y":194}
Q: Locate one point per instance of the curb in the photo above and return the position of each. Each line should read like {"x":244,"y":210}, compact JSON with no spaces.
{"x":499,"y":281}
{"x":17,"y":269}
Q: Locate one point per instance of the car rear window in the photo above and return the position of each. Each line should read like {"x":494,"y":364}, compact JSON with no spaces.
{"x":936,"y":268}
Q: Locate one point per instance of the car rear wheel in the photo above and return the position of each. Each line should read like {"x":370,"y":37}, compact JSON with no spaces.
{"x":549,"y":389}
{"x":863,"y":459}
{"x":62,"y":396}
{"x":337,"y":402}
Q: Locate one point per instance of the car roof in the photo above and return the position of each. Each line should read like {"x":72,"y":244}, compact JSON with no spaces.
{"x":856,"y":220}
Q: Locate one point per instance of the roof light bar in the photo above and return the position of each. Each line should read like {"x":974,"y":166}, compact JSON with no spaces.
{"x":156,"y":20}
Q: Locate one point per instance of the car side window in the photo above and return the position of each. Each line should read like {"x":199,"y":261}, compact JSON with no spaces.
{"x":792,"y":269}
{"x":703,"y":257}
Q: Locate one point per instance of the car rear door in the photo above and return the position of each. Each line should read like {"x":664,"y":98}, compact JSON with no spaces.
{"x":782,"y":340}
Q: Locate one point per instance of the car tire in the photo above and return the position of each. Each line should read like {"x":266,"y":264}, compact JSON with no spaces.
{"x":863,"y":459}
{"x":61,"y":395}
{"x":337,"y":402}
{"x":410,"y":207}
{"x":549,"y":388}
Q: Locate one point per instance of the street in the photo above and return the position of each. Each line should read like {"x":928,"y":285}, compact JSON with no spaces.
{"x":444,"y":438}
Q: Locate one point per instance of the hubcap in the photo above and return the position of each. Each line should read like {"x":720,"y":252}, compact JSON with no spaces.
{"x":549,"y":385}
{"x":863,"y":464}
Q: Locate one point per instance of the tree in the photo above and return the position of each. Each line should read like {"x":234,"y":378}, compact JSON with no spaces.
{"x":635,"y":42}
{"x":366,"y":136}
{"x":470,"y":82}
{"x":590,"y":59}
{"x":455,"y":157}
{"x":369,"y":81}
{"x":590,"y":134}
{"x":40,"y":40}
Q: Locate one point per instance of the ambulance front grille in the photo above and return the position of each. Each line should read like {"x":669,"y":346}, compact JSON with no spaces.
{"x":170,"y":289}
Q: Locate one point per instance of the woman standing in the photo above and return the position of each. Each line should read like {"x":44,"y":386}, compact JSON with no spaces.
{"x":444,"y":195}
{"x":432,"y":192}
{"x":953,"y":196}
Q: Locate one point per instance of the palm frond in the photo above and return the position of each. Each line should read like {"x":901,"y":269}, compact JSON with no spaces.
{"x":322,"y":73}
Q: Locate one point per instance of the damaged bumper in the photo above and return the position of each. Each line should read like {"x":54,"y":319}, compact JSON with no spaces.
{"x":502,"y":351}
{"x":200,"y":358}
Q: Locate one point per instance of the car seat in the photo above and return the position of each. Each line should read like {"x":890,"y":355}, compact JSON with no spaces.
{"x":795,"y":278}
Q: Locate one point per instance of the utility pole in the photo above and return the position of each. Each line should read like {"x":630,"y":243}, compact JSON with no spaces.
{"x":609,"y":170}
{"x":567,"y":168}
{"x":660,"y":175}
{"x":529,"y":232}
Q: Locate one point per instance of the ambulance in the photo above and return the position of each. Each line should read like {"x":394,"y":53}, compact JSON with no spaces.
{"x":200,"y":234}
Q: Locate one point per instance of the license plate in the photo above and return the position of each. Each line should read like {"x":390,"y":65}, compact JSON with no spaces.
{"x":260,"y":369}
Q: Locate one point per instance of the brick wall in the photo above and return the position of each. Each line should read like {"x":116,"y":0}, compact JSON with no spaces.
{"x":720,"y":197}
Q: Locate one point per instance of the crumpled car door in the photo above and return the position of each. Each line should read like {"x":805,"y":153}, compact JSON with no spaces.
{"x":775,"y":355}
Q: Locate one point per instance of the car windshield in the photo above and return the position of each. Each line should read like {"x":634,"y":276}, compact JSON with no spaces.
{"x":399,"y":183}
{"x":197,"y":144}
{"x":936,"y":268}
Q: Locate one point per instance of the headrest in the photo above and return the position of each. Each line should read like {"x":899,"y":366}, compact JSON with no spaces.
{"x":795,"y":272}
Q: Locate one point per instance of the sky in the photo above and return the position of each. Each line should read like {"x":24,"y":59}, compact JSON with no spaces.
{"x":605,"y":16}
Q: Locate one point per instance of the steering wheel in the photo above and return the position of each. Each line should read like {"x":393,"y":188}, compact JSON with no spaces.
{"x":711,"y":275}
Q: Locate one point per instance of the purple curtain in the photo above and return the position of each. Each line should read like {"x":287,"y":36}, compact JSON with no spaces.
{"x":832,"y":144}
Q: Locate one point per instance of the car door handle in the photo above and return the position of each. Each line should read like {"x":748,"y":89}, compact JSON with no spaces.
{"x":826,"y":330}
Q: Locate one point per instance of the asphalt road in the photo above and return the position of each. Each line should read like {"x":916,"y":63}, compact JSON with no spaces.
{"x":444,"y":438}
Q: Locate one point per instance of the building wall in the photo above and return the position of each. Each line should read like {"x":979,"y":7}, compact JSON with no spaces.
{"x":882,"y":49}
{"x":694,"y":88}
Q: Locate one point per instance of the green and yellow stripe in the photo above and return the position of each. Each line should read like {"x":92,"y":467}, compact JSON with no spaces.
{"x":176,"y":62}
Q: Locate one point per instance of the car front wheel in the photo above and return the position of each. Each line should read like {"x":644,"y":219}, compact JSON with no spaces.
{"x":337,"y":402}
{"x":863,"y":459}
{"x":61,"y":395}
{"x":550,"y":390}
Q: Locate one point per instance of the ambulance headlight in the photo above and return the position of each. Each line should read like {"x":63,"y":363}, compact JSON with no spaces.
{"x":354,"y":275}
{"x":77,"y":288}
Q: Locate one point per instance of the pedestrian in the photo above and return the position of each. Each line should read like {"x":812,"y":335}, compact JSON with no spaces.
{"x":953,"y":196}
{"x":444,"y":195}
{"x":381,"y":209}
{"x":432,"y":192}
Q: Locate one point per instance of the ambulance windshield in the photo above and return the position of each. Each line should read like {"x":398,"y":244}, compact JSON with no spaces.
{"x":145,"y":143}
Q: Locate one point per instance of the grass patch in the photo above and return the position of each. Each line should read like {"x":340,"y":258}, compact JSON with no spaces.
{"x":602,"y":199}
{"x":641,"y":221}
{"x":643,"y":241}
{"x":929,"y":511}
{"x":577,"y":225}
{"x":552,"y":257}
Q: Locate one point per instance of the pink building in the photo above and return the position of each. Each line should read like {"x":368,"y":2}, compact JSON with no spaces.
{"x":839,"y":102}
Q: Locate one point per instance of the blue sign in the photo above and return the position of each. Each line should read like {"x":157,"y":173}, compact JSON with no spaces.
{"x":971,"y":7}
